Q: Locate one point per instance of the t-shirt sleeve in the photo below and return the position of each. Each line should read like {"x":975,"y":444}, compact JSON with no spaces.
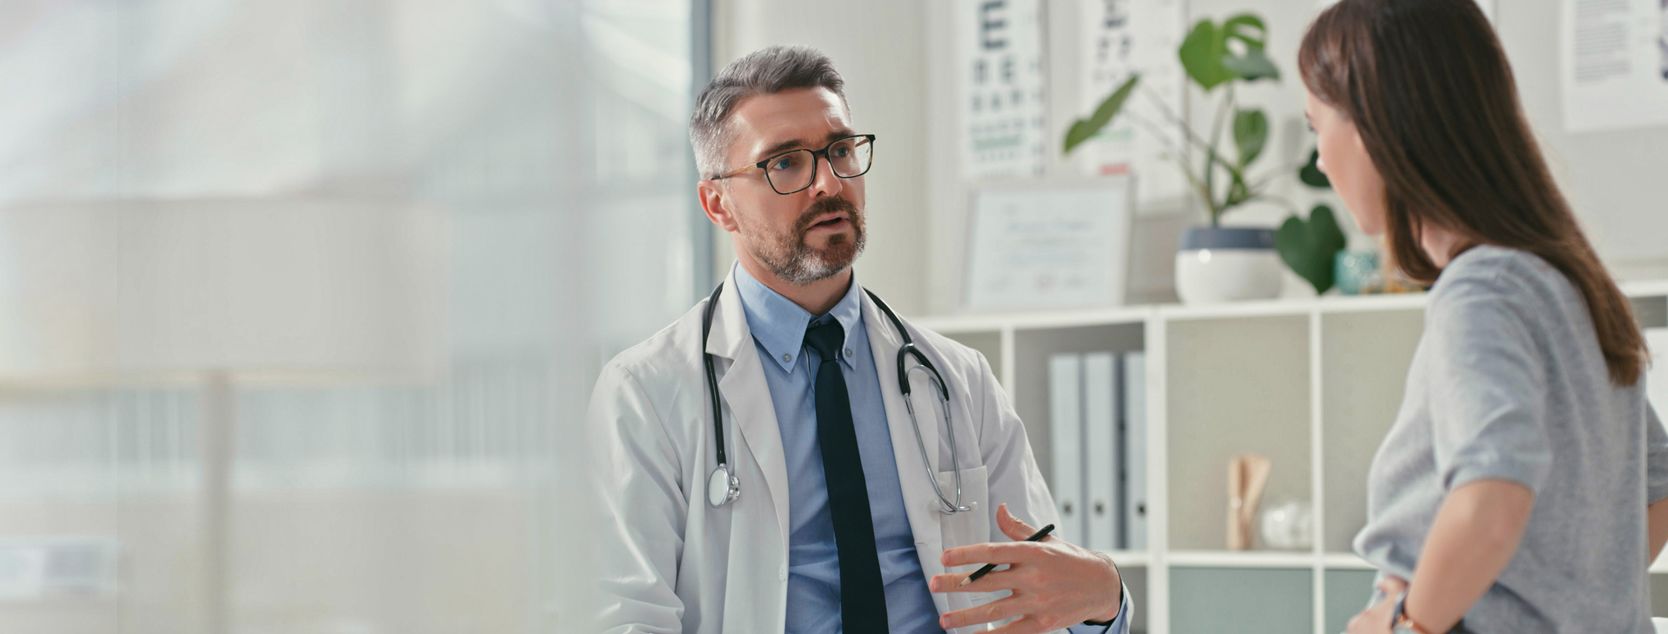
{"x":1656,"y":456}
{"x":1487,"y":384}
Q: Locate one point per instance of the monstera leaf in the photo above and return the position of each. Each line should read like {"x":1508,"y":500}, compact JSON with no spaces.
{"x":1311,"y":175}
{"x":1209,"y":56}
{"x":1309,"y":247}
{"x":1252,"y":36}
{"x":1250,"y":134}
{"x":1213,"y":55}
{"x":1201,"y":56}
{"x":1084,"y":129}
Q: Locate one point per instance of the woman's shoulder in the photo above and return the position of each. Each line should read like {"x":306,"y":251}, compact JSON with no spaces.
{"x":1487,"y":260}
{"x":1490,"y":269}
{"x":1498,"y":280}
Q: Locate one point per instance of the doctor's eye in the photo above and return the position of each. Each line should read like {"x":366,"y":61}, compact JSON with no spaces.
{"x":787,"y":161}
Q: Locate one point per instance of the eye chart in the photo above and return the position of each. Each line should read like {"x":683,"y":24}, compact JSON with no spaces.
{"x":1121,"y":37}
{"x":1003,"y":87}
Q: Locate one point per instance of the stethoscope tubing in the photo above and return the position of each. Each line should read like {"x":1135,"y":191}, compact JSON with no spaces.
{"x":723,"y":476}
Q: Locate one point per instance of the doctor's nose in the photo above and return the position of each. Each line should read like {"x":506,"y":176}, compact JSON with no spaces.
{"x":824,"y":182}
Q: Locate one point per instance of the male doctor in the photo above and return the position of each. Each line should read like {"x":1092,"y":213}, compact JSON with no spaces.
{"x":833,"y":524}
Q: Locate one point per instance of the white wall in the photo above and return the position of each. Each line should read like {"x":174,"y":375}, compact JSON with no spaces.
{"x":901,"y":74}
{"x":878,"y":47}
{"x":1156,"y":229}
{"x":1615,"y":180}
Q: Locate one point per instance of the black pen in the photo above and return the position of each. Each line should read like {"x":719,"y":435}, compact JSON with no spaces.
{"x":989,"y":567}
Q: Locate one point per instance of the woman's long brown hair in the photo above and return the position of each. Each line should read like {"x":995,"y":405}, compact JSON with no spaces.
{"x":1429,"y":89}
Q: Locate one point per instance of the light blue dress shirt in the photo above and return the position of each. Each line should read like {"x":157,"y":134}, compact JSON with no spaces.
{"x":778,"y":326}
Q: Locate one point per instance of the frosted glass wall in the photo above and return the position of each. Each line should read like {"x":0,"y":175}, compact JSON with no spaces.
{"x":301,"y":300}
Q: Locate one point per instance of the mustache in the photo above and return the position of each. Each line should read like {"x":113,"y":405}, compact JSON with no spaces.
{"x":825,"y":206}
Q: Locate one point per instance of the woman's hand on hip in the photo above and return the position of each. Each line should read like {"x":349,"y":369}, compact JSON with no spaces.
{"x":1376,"y":619}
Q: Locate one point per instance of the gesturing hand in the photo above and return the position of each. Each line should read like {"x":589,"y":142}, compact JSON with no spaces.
{"x":1054,"y":583}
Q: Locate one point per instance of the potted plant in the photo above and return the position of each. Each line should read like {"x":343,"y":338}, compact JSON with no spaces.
{"x":1312,"y":248}
{"x":1217,"y":263}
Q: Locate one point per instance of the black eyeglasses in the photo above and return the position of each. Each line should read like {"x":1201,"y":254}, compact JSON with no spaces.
{"x":794,"y":171}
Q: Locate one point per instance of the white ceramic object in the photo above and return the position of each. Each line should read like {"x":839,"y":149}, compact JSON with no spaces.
{"x":1289,"y":525}
{"x":1212,"y":276}
{"x":1227,"y":264}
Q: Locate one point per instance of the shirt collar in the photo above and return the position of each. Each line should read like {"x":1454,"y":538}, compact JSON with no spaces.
{"x":779,"y":325}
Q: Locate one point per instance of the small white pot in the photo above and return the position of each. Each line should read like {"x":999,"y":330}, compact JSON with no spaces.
{"x":1227,"y":264}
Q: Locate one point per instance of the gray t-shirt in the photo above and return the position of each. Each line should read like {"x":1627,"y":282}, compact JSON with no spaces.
{"x":1508,"y":383}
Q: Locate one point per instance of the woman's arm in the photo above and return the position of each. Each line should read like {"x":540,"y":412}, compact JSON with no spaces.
{"x":1656,"y":482}
{"x":1476,"y":531}
{"x":1657,"y":527}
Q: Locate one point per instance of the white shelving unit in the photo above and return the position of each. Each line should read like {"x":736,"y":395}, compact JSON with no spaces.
{"x":1312,"y":384}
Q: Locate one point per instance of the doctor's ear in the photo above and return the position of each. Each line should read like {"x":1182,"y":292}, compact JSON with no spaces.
{"x":715,"y":201}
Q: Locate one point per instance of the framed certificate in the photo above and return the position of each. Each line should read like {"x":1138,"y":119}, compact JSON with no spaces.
{"x":1050,"y":244}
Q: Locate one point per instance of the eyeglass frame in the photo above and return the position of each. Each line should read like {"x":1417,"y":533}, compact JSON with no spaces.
{"x":821,"y":154}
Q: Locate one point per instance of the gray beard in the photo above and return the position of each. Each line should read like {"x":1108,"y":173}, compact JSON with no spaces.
{"x":796,"y":263}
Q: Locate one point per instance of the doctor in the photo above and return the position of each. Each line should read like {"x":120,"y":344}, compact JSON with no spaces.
{"x":760,"y":463}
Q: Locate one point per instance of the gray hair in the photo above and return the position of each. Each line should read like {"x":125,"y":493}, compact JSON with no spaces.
{"x":762,"y":72}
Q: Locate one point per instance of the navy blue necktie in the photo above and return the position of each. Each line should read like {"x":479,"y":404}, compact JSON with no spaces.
{"x":862,"y":593}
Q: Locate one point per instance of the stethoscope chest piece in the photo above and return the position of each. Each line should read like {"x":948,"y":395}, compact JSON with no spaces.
{"x":723,"y":487}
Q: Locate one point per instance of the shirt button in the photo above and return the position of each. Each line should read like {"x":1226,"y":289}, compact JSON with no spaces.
{"x":786,"y":358}
{"x":782,"y":574}
{"x":848,"y":352}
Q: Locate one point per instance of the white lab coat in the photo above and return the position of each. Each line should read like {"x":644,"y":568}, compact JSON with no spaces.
{"x":670,"y":562}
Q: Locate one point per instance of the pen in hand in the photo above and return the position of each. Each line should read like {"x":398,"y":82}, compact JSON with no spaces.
{"x":985,"y":569}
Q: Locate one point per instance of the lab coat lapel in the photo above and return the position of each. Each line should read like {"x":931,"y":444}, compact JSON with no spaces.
{"x":920,"y":503}
{"x":884,"y":344}
{"x":751,"y":412}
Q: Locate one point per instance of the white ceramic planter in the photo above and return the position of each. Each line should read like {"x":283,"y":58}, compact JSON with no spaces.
{"x":1227,"y":264}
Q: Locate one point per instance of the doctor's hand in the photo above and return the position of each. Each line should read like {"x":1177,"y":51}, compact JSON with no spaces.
{"x":1376,"y":619}
{"x":1054,"y":584}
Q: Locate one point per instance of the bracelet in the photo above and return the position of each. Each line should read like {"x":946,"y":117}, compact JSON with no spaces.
{"x":1401,"y":620}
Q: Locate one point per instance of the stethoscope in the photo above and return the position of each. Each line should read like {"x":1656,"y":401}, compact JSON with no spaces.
{"x":723,"y":487}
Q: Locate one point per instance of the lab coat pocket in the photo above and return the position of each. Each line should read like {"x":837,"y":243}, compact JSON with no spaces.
{"x":967,"y":528}
{"x":973,"y":525}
